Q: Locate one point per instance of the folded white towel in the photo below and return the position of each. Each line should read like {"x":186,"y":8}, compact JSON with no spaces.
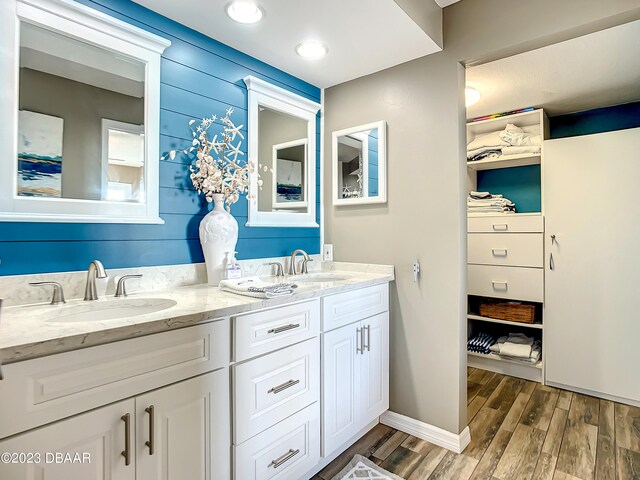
{"x":521,"y":138}
{"x":518,"y":350}
{"x":254,"y":287}
{"x":533,"y":149}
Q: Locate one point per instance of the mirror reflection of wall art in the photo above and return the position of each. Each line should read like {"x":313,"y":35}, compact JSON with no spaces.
{"x":288,"y":160}
{"x":39,"y":155}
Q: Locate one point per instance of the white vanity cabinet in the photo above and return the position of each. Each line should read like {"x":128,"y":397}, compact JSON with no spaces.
{"x":355,"y":364}
{"x":100,"y":434}
{"x":171,"y":433}
{"x":56,"y":404}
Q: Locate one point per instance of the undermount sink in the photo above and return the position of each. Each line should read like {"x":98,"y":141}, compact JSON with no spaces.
{"x":111,"y":309}
{"x":319,"y":277}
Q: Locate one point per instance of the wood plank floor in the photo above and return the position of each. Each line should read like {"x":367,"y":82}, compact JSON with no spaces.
{"x":520,"y":430}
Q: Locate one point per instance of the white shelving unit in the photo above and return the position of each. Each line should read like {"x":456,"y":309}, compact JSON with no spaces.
{"x":507,"y":161}
{"x":471,"y":316}
{"x":534,"y":122}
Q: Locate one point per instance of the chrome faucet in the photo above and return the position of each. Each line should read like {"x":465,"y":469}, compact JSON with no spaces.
{"x":96,"y":270}
{"x":292,"y":264}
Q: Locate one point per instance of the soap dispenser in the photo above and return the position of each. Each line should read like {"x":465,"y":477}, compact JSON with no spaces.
{"x":232,"y":267}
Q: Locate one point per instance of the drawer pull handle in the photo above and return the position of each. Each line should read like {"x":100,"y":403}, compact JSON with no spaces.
{"x":499,"y":252}
{"x":500,"y":227}
{"x":284,"y":458}
{"x":360,"y":343}
{"x":368,"y":327}
{"x":284,"y":386}
{"x":502,"y":285}
{"x":551,"y":263}
{"x":284,"y":328}
{"x":126,"y":453}
{"x":152,"y":420}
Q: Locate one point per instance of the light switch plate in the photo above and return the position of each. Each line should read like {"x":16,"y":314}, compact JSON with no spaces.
{"x":327,"y":252}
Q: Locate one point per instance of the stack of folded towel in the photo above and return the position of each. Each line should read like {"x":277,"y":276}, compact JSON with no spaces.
{"x":481,"y":343}
{"x":485,"y":202}
{"x":513,"y":140}
{"x":254,"y":287}
{"x":517,"y":346}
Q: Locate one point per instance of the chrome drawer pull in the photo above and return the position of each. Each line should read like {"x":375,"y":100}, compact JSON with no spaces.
{"x":500,"y":226}
{"x":499,"y":252}
{"x":284,"y":458}
{"x":283,"y":386}
{"x":503,"y":285}
{"x":284,"y":328}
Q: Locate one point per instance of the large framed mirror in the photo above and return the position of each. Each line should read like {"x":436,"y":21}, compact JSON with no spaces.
{"x":359,"y":164}
{"x":84,"y":121}
{"x":282,"y":144}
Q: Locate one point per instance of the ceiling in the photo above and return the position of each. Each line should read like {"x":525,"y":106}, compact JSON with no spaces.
{"x":596,"y":70}
{"x":446,"y":3}
{"x":363,"y":36}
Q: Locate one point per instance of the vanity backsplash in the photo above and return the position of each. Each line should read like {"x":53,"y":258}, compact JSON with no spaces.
{"x":15,"y":289}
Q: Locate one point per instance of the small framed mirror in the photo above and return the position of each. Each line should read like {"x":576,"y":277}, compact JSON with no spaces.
{"x":360,"y":165}
{"x":282,"y":144}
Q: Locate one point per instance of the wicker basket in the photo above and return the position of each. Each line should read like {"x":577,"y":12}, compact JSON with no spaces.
{"x":511,"y":311}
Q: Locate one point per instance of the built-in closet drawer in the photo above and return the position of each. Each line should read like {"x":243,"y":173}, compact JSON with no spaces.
{"x":518,"y":249}
{"x":270,"y":388}
{"x":348,"y":307}
{"x":287,"y":450}
{"x":506,"y":224}
{"x":268,"y":330}
{"x":38,"y":391}
{"x":514,"y":283}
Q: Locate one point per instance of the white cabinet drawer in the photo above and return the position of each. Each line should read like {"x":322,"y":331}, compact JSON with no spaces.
{"x":286,"y":451}
{"x":514,"y":283}
{"x":517,"y":249}
{"x":39,"y":391}
{"x":344,"y":308}
{"x":270,"y":388}
{"x":506,"y":224}
{"x":268,"y":330}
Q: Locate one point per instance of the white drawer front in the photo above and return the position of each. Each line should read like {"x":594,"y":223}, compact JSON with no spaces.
{"x":270,"y":388}
{"x":39,"y":391}
{"x":287,"y":450}
{"x":514,"y":283}
{"x":344,"y":308}
{"x":517,"y":249}
{"x":506,"y":224}
{"x":268,"y":330}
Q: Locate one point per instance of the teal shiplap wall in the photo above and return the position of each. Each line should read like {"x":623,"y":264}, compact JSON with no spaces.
{"x":522,"y":184}
{"x":199,"y":77}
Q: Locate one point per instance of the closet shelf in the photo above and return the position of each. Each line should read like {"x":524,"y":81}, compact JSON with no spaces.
{"x":505,"y":162}
{"x":471,"y":316}
{"x":498,"y":358}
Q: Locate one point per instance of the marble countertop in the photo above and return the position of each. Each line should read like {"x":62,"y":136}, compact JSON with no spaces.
{"x":31,"y":331}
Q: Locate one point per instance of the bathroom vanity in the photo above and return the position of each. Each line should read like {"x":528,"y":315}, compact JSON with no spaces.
{"x":209,"y":386}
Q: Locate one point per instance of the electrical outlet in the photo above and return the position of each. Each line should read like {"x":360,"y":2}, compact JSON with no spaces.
{"x":327,"y":252}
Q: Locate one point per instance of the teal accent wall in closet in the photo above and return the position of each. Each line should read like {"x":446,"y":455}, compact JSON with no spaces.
{"x":199,"y":77}
{"x":522,"y":184}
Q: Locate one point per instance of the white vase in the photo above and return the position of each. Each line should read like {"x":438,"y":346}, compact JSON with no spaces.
{"x":218,"y":235}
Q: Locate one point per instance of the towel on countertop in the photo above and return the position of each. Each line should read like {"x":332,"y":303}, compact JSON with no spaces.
{"x":254,"y":287}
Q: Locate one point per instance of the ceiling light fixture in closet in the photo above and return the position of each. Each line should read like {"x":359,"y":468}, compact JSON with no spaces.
{"x":471,"y":96}
{"x":244,"y":11}
{"x":312,"y":49}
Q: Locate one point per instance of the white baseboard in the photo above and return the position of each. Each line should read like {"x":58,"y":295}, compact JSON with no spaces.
{"x":427,"y":432}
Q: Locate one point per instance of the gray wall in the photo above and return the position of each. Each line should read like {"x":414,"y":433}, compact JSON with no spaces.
{"x":82,"y":107}
{"x":275,"y":128}
{"x":422,"y":102}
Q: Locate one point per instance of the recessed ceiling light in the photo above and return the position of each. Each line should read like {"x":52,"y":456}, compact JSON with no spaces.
{"x":471,"y":96}
{"x":312,"y":49}
{"x":244,"y":11}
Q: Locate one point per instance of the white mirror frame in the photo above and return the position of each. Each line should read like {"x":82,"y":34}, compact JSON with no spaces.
{"x":382,"y":164}
{"x":90,"y":26}
{"x":262,"y":93}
